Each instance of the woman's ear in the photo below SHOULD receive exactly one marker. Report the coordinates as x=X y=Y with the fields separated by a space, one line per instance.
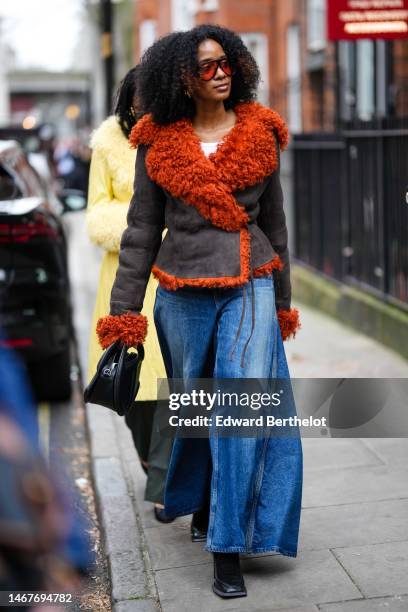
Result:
x=188 y=87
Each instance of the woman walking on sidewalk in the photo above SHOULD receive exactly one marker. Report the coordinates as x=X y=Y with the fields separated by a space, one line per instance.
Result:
x=207 y=168
x=110 y=191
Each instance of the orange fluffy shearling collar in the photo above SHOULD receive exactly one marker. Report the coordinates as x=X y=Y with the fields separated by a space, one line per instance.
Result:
x=245 y=157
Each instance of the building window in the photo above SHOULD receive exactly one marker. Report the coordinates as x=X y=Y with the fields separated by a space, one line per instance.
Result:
x=347 y=85
x=365 y=80
x=382 y=84
x=209 y=6
x=147 y=34
x=257 y=44
x=293 y=72
x=316 y=25
x=182 y=14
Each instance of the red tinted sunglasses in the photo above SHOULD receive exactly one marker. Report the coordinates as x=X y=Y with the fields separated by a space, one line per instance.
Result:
x=207 y=71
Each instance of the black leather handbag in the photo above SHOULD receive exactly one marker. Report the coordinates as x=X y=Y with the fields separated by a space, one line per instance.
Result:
x=116 y=381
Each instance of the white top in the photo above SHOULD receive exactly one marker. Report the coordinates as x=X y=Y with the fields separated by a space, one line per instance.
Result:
x=208 y=147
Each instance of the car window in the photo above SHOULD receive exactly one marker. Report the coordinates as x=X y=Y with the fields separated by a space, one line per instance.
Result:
x=9 y=187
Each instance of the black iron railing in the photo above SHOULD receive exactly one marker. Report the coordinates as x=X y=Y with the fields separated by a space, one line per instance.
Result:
x=350 y=205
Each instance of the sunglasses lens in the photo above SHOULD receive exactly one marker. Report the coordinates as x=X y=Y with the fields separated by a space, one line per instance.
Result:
x=208 y=71
x=226 y=68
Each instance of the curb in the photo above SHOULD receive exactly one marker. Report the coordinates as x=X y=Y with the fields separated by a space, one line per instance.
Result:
x=132 y=584
x=352 y=307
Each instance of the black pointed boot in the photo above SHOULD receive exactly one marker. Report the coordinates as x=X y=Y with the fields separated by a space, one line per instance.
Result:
x=228 y=580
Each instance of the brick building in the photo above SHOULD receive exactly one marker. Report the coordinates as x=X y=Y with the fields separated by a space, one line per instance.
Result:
x=344 y=176
x=312 y=82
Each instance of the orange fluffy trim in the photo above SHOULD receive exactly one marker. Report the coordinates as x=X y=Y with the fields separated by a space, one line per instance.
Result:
x=130 y=328
x=170 y=282
x=245 y=157
x=289 y=322
x=267 y=268
x=274 y=121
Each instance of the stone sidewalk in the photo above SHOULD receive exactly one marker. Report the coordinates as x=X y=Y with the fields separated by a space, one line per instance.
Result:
x=353 y=547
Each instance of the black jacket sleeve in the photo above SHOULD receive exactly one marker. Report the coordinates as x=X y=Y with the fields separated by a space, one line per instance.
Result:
x=140 y=241
x=272 y=221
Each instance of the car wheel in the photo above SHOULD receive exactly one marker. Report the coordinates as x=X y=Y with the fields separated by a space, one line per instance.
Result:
x=51 y=378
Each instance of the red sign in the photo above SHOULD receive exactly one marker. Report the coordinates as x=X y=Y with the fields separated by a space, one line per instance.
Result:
x=354 y=19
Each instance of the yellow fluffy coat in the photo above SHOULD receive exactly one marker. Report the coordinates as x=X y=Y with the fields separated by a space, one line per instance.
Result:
x=110 y=191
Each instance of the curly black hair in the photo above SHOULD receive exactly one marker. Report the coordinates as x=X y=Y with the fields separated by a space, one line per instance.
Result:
x=124 y=100
x=167 y=67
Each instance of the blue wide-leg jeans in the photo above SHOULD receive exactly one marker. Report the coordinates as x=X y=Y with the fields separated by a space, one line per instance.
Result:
x=255 y=483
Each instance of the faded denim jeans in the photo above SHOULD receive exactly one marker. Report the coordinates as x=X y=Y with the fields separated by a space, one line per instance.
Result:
x=256 y=483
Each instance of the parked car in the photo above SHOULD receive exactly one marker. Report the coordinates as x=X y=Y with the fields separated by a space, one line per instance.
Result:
x=35 y=307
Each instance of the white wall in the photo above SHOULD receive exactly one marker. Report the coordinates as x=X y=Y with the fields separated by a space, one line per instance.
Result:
x=4 y=89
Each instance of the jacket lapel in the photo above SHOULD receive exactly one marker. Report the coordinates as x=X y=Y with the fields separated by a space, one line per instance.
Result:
x=245 y=157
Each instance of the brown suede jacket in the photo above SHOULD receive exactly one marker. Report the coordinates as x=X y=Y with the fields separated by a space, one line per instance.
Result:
x=224 y=215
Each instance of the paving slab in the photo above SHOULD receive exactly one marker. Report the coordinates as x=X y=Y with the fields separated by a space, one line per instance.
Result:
x=128 y=451
x=170 y=546
x=361 y=484
x=325 y=347
x=127 y=577
x=391 y=451
x=122 y=535
x=120 y=526
x=383 y=604
x=320 y=528
x=379 y=569
x=145 y=509
x=353 y=524
x=137 y=477
x=103 y=442
x=274 y=582
x=109 y=477
x=335 y=453
x=137 y=605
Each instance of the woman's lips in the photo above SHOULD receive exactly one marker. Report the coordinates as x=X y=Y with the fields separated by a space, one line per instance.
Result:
x=223 y=87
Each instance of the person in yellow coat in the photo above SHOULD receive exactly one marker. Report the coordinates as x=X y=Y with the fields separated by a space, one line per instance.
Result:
x=110 y=191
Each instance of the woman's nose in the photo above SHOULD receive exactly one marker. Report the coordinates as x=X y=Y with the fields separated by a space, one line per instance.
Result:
x=220 y=73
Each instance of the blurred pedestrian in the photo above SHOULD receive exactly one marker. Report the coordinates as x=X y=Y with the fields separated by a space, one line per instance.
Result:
x=207 y=168
x=42 y=545
x=73 y=160
x=110 y=190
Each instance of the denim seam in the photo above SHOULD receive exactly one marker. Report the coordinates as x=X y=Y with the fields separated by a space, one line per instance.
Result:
x=257 y=488
x=275 y=326
x=214 y=489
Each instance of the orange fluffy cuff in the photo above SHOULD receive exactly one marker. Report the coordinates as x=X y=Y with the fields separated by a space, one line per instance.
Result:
x=130 y=328
x=289 y=322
